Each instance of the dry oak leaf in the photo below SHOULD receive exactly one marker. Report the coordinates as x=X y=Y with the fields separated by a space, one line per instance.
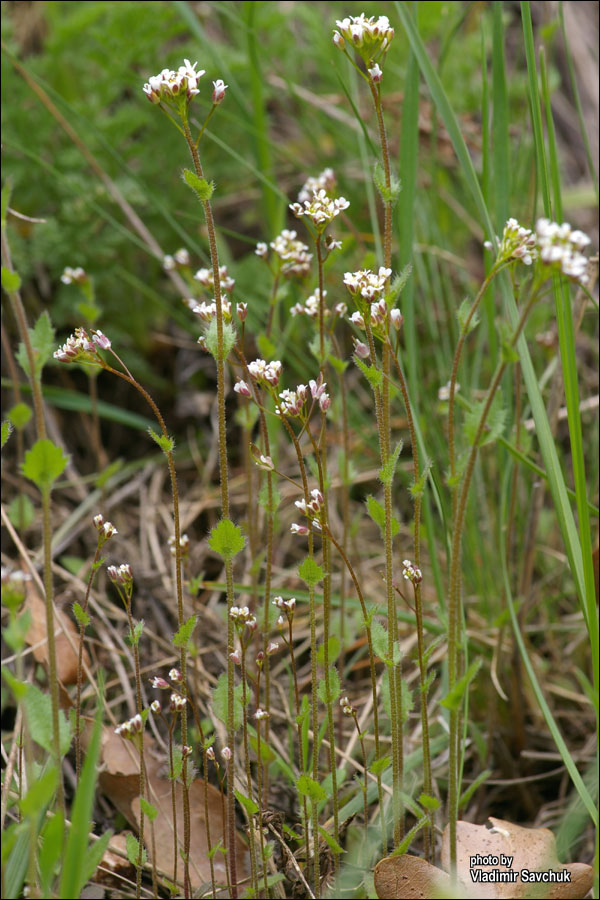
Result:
x=119 y=779
x=522 y=855
x=66 y=637
x=411 y=878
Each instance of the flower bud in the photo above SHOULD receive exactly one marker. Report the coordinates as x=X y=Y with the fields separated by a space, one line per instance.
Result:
x=219 y=91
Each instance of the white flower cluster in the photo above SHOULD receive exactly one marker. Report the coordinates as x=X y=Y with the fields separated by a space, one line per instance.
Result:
x=370 y=285
x=207 y=311
x=292 y=402
x=181 y=257
x=347 y=707
x=77 y=347
x=206 y=278
x=292 y=252
x=561 y=247
x=370 y=35
x=314 y=506
x=122 y=574
x=326 y=181
x=184 y=544
x=321 y=209
x=77 y=275
x=517 y=242
x=242 y=616
x=261 y=714
x=310 y=308
x=130 y=728
x=106 y=529
x=287 y=606
x=264 y=371
x=411 y=572
x=169 y=85
x=176 y=702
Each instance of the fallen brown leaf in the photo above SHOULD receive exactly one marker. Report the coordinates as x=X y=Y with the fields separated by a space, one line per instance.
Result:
x=410 y=877
x=530 y=850
x=119 y=781
x=37 y=637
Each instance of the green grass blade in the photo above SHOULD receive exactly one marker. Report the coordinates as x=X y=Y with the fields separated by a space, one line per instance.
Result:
x=564 y=317
x=75 y=871
x=500 y=139
x=575 y=90
x=544 y=434
x=409 y=156
x=546 y=712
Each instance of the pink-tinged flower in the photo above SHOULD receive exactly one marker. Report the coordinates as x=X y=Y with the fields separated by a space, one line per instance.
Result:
x=299 y=529
x=272 y=647
x=361 y=349
x=397 y=318
x=161 y=683
x=324 y=402
x=155 y=707
x=242 y=311
x=219 y=91
x=265 y=462
x=176 y=702
x=317 y=387
x=321 y=209
x=175 y=676
x=226 y=753
x=240 y=387
x=186 y=751
x=78 y=348
x=411 y=572
x=236 y=657
x=375 y=73
x=357 y=319
x=122 y=574
x=369 y=36
x=101 y=340
x=210 y=754
x=169 y=86
x=182 y=257
x=77 y=275
x=370 y=285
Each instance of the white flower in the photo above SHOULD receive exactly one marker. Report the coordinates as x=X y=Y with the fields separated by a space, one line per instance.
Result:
x=368 y=35
x=326 y=181
x=219 y=91
x=375 y=73
x=321 y=209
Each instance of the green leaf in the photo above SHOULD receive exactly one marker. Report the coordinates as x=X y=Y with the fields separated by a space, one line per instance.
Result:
x=333 y=650
x=398 y=284
x=495 y=422
x=50 y=851
x=20 y=415
x=226 y=539
x=202 y=188
x=212 y=342
x=44 y=463
x=505 y=332
x=418 y=487
x=39 y=718
x=378 y=766
x=388 y=194
x=266 y=346
x=11 y=281
x=407 y=698
x=19 y=688
x=78 y=853
x=247 y=802
x=330 y=841
x=454 y=698
x=134 y=639
x=21 y=512
x=81 y=616
x=310 y=572
x=7 y=430
x=183 y=634
x=373 y=375
x=263 y=498
x=219 y=701
x=462 y=314
x=379 y=636
x=40 y=793
x=148 y=809
x=386 y=474
x=310 y=788
x=428 y=802
x=267 y=754
x=377 y=513
x=333 y=680
x=340 y=365
x=166 y=444
x=133 y=850
x=43 y=342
